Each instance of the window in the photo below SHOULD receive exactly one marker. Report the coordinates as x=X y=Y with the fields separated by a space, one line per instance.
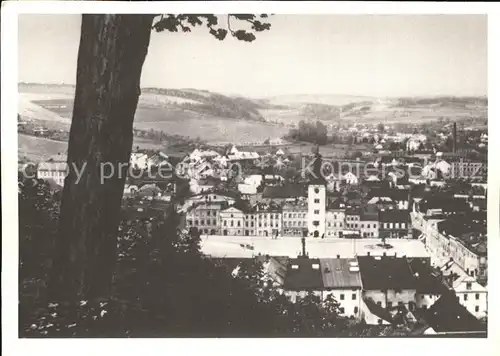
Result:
x=239 y=223
x=355 y=310
x=232 y=223
x=379 y=304
x=214 y=222
x=202 y=222
x=353 y=296
x=342 y=297
x=469 y=285
x=316 y=212
x=196 y=222
x=316 y=201
x=476 y=308
x=342 y=310
x=316 y=223
x=225 y=223
x=477 y=296
x=465 y=296
x=380 y=321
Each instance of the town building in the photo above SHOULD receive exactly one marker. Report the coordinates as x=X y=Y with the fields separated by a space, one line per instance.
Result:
x=204 y=217
x=302 y=278
x=232 y=221
x=316 y=210
x=342 y=280
x=387 y=283
x=295 y=219
x=55 y=168
x=394 y=224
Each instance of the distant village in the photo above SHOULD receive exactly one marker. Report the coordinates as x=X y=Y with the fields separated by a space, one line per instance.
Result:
x=396 y=233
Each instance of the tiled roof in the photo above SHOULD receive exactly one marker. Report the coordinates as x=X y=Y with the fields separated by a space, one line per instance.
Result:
x=302 y=276
x=285 y=191
x=386 y=272
x=448 y=315
x=394 y=215
x=340 y=273
x=428 y=282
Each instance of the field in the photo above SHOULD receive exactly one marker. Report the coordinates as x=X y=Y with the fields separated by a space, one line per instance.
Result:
x=157 y=116
x=40 y=149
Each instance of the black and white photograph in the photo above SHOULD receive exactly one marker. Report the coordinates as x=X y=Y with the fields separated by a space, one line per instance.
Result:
x=253 y=175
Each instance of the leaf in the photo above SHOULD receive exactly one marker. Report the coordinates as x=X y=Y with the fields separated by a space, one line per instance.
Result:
x=244 y=17
x=243 y=35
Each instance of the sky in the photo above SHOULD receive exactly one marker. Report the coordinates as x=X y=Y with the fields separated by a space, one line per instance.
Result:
x=384 y=55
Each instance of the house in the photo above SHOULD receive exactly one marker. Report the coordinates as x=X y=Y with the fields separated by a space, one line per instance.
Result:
x=295 y=218
x=204 y=217
x=447 y=317
x=211 y=197
x=465 y=242
x=342 y=280
x=335 y=218
x=472 y=295
x=350 y=178
x=430 y=286
x=55 y=168
x=303 y=277
x=394 y=223
x=368 y=222
x=232 y=221
x=268 y=220
x=387 y=282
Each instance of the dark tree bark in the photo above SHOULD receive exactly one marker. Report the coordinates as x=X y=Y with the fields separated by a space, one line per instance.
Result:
x=110 y=59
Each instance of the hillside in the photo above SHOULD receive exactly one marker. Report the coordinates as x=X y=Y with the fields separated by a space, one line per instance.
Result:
x=200 y=102
x=188 y=112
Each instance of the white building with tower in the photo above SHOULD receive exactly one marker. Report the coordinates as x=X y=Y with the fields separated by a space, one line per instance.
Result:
x=316 y=210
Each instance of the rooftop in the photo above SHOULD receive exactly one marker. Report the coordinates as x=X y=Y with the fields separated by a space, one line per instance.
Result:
x=393 y=215
x=285 y=192
x=448 y=315
x=340 y=273
x=386 y=272
x=303 y=274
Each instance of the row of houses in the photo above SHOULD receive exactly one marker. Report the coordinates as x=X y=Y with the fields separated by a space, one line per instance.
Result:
x=375 y=289
x=310 y=215
x=453 y=228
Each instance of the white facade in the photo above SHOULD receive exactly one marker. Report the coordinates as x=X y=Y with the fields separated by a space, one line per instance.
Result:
x=232 y=222
x=473 y=296
x=350 y=178
x=335 y=222
x=316 y=210
x=56 y=171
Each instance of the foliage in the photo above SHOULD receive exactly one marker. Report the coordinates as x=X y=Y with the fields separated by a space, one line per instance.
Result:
x=185 y=22
x=308 y=132
x=162 y=286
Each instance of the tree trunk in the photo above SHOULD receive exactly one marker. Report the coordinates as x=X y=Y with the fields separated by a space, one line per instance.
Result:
x=110 y=59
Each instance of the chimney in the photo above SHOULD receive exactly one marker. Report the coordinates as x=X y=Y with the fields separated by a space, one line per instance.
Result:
x=368 y=253
x=303 y=247
x=454 y=137
x=338 y=256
